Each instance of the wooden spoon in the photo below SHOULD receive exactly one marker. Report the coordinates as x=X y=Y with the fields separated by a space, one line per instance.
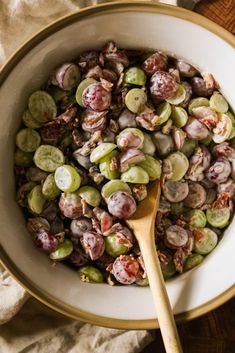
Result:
x=143 y=226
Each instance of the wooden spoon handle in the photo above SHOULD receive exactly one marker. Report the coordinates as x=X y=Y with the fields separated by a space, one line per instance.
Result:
x=165 y=316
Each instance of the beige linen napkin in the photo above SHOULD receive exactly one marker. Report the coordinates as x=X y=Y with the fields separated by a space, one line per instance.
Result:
x=36 y=328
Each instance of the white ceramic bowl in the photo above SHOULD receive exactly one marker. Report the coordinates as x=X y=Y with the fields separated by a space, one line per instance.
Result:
x=132 y=25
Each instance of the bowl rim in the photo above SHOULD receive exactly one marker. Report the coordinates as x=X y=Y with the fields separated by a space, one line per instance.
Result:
x=62 y=22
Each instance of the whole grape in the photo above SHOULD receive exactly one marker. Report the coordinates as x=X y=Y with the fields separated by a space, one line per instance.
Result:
x=45 y=241
x=125 y=269
x=199 y=87
x=93 y=244
x=70 y=205
x=155 y=62
x=121 y=204
x=162 y=85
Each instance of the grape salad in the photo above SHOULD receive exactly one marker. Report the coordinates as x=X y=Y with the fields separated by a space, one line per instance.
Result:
x=96 y=134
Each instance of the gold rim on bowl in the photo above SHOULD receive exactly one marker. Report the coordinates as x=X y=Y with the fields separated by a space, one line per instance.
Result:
x=35 y=291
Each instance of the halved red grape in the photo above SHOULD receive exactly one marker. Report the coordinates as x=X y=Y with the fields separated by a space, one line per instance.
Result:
x=175 y=191
x=219 y=171
x=93 y=121
x=68 y=76
x=196 y=130
x=185 y=68
x=189 y=92
x=176 y=237
x=196 y=196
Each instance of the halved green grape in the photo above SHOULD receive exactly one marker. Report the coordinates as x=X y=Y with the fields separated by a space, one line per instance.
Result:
x=135 y=76
x=167 y=127
x=48 y=158
x=197 y=102
x=63 y=250
x=218 y=218
x=101 y=151
x=179 y=163
x=90 y=195
x=135 y=175
x=49 y=188
x=178 y=97
x=211 y=195
x=223 y=129
x=112 y=186
x=58 y=93
x=192 y=261
x=206 y=242
x=135 y=99
x=196 y=218
x=67 y=178
x=36 y=199
x=23 y=159
x=104 y=166
x=142 y=282
x=189 y=147
x=152 y=166
x=42 y=106
x=179 y=116
x=148 y=145
x=90 y=274
x=29 y=120
x=130 y=138
x=177 y=208
x=28 y=140
x=163 y=112
x=168 y=270
x=81 y=88
x=113 y=247
x=232 y=117
x=218 y=103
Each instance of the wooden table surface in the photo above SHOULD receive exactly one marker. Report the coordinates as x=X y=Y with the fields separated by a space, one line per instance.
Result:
x=219 y=11
x=214 y=332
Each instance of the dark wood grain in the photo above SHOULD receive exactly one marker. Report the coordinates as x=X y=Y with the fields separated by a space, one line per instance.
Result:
x=219 y=11
x=214 y=332
x=211 y=333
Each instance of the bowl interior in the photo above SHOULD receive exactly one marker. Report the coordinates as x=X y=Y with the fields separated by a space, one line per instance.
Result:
x=133 y=27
